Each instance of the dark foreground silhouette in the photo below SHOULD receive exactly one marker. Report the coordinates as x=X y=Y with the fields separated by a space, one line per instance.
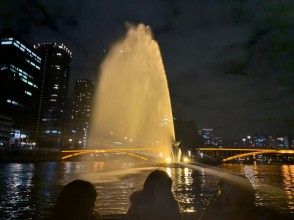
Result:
x=76 y=201
x=155 y=201
x=236 y=200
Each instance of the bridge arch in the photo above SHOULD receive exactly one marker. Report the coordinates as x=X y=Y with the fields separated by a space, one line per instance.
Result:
x=228 y=154
x=258 y=153
x=66 y=154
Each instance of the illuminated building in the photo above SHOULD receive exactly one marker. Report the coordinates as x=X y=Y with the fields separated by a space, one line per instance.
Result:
x=260 y=139
x=282 y=142
x=5 y=130
x=53 y=94
x=20 y=67
x=217 y=141
x=207 y=136
x=83 y=98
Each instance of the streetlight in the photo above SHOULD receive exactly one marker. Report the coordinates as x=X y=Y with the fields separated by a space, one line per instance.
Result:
x=244 y=140
x=249 y=137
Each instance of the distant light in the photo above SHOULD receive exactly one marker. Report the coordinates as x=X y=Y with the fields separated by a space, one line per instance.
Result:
x=70 y=140
x=248 y=137
x=186 y=160
x=189 y=153
x=243 y=139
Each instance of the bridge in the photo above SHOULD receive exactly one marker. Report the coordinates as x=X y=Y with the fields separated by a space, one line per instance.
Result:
x=212 y=153
x=133 y=152
x=230 y=154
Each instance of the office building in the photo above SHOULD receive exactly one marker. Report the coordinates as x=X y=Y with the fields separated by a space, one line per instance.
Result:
x=53 y=94
x=217 y=141
x=82 y=105
x=5 y=130
x=260 y=139
x=282 y=142
x=20 y=67
x=207 y=136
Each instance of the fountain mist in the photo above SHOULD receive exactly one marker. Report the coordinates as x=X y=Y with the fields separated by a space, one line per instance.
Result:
x=132 y=104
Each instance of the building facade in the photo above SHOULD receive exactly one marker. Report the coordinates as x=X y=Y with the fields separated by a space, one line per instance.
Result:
x=20 y=68
x=207 y=136
x=54 y=83
x=82 y=107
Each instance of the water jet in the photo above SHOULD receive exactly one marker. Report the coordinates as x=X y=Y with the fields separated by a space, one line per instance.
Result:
x=132 y=104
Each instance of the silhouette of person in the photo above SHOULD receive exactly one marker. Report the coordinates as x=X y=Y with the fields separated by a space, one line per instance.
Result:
x=76 y=201
x=155 y=200
x=236 y=200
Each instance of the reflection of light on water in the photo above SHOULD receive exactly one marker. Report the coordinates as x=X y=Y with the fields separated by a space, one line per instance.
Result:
x=288 y=179
x=67 y=167
x=169 y=172
x=192 y=209
x=99 y=165
x=187 y=177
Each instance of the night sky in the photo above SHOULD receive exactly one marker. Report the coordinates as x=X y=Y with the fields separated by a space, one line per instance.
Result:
x=230 y=64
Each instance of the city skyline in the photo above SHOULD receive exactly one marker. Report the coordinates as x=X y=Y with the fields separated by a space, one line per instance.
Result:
x=211 y=59
x=147 y=109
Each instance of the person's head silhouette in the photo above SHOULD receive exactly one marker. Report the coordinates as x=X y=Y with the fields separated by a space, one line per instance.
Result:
x=76 y=201
x=158 y=181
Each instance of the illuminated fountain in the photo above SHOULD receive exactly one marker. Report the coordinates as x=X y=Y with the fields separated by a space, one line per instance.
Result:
x=132 y=104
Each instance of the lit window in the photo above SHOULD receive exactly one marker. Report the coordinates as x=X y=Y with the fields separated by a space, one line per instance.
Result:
x=58 y=54
x=28 y=93
x=6 y=42
x=33 y=64
x=3 y=67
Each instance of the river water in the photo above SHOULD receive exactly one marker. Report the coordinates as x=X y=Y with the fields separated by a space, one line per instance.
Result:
x=28 y=190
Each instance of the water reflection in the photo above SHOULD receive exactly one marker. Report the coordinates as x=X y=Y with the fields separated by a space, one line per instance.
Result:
x=29 y=190
x=288 y=180
x=192 y=189
x=273 y=185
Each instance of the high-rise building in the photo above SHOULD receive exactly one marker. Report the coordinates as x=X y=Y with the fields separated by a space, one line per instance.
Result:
x=217 y=141
x=82 y=105
x=260 y=139
x=282 y=142
x=207 y=136
x=53 y=93
x=5 y=130
x=20 y=68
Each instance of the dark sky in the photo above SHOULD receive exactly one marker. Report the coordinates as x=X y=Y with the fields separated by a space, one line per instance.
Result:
x=230 y=64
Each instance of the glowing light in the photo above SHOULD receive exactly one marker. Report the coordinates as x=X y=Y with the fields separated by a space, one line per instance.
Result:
x=168 y=160
x=189 y=153
x=186 y=160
